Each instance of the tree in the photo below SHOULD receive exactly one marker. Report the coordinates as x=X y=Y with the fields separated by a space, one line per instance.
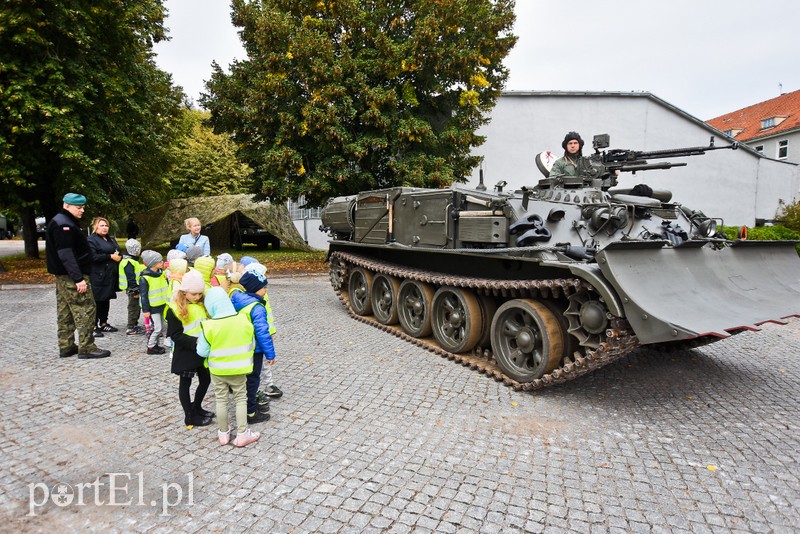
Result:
x=82 y=106
x=789 y=215
x=337 y=97
x=205 y=163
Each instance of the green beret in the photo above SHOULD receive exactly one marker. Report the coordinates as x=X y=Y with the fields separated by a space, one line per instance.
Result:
x=75 y=199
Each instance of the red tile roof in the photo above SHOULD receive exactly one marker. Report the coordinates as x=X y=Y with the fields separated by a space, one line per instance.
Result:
x=749 y=119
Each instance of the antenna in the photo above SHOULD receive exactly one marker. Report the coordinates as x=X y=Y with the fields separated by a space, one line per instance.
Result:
x=780 y=88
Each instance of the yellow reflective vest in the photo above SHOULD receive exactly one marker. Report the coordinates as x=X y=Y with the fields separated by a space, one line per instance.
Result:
x=232 y=341
x=196 y=315
x=123 y=278
x=270 y=317
x=174 y=285
x=158 y=292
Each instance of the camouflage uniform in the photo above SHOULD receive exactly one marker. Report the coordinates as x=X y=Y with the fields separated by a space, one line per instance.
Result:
x=74 y=311
x=574 y=165
x=571 y=164
x=70 y=259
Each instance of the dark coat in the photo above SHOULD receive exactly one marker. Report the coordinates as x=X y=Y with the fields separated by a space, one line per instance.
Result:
x=67 y=250
x=105 y=271
x=184 y=347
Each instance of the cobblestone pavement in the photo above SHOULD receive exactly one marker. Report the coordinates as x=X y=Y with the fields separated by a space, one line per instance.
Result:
x=374 y=434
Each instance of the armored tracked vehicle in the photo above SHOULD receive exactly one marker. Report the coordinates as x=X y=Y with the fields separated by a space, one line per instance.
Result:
x=539 y=286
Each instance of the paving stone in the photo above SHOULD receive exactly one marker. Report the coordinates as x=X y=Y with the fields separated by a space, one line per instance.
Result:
x=375 y=434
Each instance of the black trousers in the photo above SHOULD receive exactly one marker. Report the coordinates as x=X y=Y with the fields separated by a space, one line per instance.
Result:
x=102 y=311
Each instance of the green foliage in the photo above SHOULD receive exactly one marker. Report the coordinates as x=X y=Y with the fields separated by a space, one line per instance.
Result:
x=205 y=163
x=341 y=96
x=764 y=233
x=790 y=216
x=82 y=105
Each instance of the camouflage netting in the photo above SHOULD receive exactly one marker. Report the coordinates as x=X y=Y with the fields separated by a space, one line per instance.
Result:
x=165 y=223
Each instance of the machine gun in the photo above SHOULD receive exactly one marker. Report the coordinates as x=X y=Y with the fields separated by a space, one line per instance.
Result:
x=622 y=160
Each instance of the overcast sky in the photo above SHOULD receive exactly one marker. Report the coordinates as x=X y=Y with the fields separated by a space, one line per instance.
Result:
x=706 y=57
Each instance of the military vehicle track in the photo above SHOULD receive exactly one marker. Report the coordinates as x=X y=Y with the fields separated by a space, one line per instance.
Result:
x=618 y=342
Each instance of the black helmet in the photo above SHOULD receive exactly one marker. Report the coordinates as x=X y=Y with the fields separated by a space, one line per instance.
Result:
x=570 y=137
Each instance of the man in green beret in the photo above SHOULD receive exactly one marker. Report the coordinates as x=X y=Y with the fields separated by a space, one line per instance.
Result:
x=69 y=258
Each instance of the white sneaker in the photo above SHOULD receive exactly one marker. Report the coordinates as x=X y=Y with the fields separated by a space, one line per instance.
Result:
x=246 y=438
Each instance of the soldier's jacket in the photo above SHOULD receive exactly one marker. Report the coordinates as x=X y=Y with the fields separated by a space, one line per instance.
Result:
x=577 y=166
x=67 y=247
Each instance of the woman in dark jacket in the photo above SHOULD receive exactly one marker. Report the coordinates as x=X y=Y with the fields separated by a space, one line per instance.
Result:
x=105 y=272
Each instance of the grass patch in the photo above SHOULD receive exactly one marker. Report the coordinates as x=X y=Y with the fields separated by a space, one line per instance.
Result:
x=19 y=269
x=22 y=270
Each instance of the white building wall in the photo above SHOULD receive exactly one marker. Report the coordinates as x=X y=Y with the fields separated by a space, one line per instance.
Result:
x=770 y=145
x=738 y=186
x=309 y=231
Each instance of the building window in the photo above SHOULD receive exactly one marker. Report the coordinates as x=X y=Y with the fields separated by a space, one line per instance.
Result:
x=767 y=123
x=759 y=149
x=783 y=149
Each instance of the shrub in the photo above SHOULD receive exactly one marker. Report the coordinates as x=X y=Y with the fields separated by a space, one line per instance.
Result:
x=790 y=216
x=765 y=233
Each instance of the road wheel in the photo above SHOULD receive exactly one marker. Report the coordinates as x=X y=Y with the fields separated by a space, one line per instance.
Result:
x=414 y=307
x=456 y=319
x=527 y=339
x=384 y=291
x=359 y=284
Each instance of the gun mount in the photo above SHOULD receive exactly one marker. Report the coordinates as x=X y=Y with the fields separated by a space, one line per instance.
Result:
x=606 y=165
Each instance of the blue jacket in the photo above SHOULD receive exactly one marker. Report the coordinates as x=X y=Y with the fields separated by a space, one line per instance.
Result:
x=258 y=314
x=201 y=241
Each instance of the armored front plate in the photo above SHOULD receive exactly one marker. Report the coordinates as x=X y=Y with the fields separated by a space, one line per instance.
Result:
x=702 y=291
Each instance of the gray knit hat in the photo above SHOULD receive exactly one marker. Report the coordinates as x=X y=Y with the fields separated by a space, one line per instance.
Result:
x=176 y=254
x=151 y=258
x=133 y=247
x=193 y=253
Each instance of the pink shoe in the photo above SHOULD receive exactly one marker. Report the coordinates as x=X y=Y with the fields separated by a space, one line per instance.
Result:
x=224 y=437
x=246 y=438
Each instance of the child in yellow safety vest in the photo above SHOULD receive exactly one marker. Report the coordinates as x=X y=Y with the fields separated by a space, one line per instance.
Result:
x=219 y=276
x=177 y=268
x=227 y=340
x=205 y=265
x=154 y=295
x=130 y=268
x=184 y=314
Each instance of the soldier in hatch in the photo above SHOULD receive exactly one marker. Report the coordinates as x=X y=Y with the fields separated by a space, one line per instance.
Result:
x=573 y=163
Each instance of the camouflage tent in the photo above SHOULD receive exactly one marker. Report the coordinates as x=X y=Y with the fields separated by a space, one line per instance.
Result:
x=227 y=220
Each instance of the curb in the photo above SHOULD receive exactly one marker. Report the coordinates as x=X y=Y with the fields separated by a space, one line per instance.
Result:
x=5 y=287
x=11 y=287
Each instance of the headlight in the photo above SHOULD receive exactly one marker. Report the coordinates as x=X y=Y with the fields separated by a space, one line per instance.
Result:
x=708 y=228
